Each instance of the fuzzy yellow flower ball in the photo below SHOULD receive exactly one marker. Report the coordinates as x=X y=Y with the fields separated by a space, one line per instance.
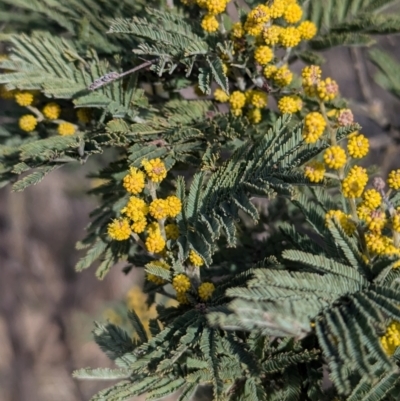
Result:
x=28 y=123
x=353 y=185
x=270 y=71
x=277 y=8
x=293 y=13
x=396 y=220
x=259 y=15
x=363 y=211
x=376 y=243
x=181 y=283
x=344 y=220
x=335 y=157
x=254 y=115
x=394 y=179
x=358 y=145
x=372 y=198
x=65 y=129
x=258 y=98
x=289 y=37
x=155 y=243
x=174 y=206
x=210 y=23
x=153 y=278
x=283 y=76
x=391 y=339
x=52 y=111
x=376 y=220
x=307 y=30
x=24 y=98
x=136 y=208
x=172 y=231
x=220 y=95
x=155 y=169
x=139 y=226
x=206 y=290
x=119 y=229
x=237 y=30
x=158 y=209
x=311 y=75
x=314 y=127
x=213 y=6
x=253 y=29
x=314 y=171
x=271 y=34
x=134 y=181
x=237 y=100
x=327 y=90
x=182 y=298
x=195 y=259
x=290 y=104
x=263 y=55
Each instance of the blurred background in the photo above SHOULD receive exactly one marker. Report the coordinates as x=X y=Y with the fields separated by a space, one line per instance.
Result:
x=47 y=309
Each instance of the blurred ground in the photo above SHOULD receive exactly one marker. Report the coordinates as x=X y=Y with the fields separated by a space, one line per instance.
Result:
x=47 y=309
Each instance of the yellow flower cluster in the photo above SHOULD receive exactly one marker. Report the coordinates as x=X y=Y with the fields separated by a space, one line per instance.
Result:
x=335 y=157
x=52 y=111
x=391 y=339
x=394 y=179
x=314 y=127
x=290 y=104
x=326 y=90
x=24 y=98
x=66 y=128
x=255 y=99
x=181 y=283
x=134 y=181
x=344 y=220
x=220 y=95
x=28 y=123
x=206 y=290
x=155 y=169
x=263 y=55
x=354 y=183
x=358 y=145
x=119 y=229
x=195 y=259
x=314 y=171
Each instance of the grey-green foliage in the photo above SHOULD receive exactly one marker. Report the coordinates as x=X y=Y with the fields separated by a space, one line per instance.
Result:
x=350 y=22
x=388 y=75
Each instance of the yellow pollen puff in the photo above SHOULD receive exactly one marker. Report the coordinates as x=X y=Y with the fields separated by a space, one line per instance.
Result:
x=394 y=179
x=375 y=243
x=66 y=129
x=293 y=13
x=181 y=283
x=259 y=15
x=376 y=220
x=153 y=278
x=314 y=171
x=327 y=90
x=363 y=211
x=119 y=229
x=335 y=157
x=311 y=76
x=307 y=30
x=263 y=55
x=52 y=111
x=206 y=290
x=257 y=98
x=237 y=30
x=353 y=185
x=391 y=339
x=344 y=220
x=237 y=100
x=174 y=206
x=283 y=76
x=210 y=23
x=24 y=98
x=270 y=71
x=271 y=34
x=155 y=243
x=254 y=115
x=158 y=209
x=253 y=29
x=153 y=228
x=28 y=123
x=139 y=226
x=277 y=8
x=220 y=95
x=290 y=104
x=134 y=181
x=213 y=6
x=155 y=169
x=314 y=127
x=172 y=231
x=136 y=209
x=195 y=259
x=289 y=37
x=358 y=145
x=372 y=198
